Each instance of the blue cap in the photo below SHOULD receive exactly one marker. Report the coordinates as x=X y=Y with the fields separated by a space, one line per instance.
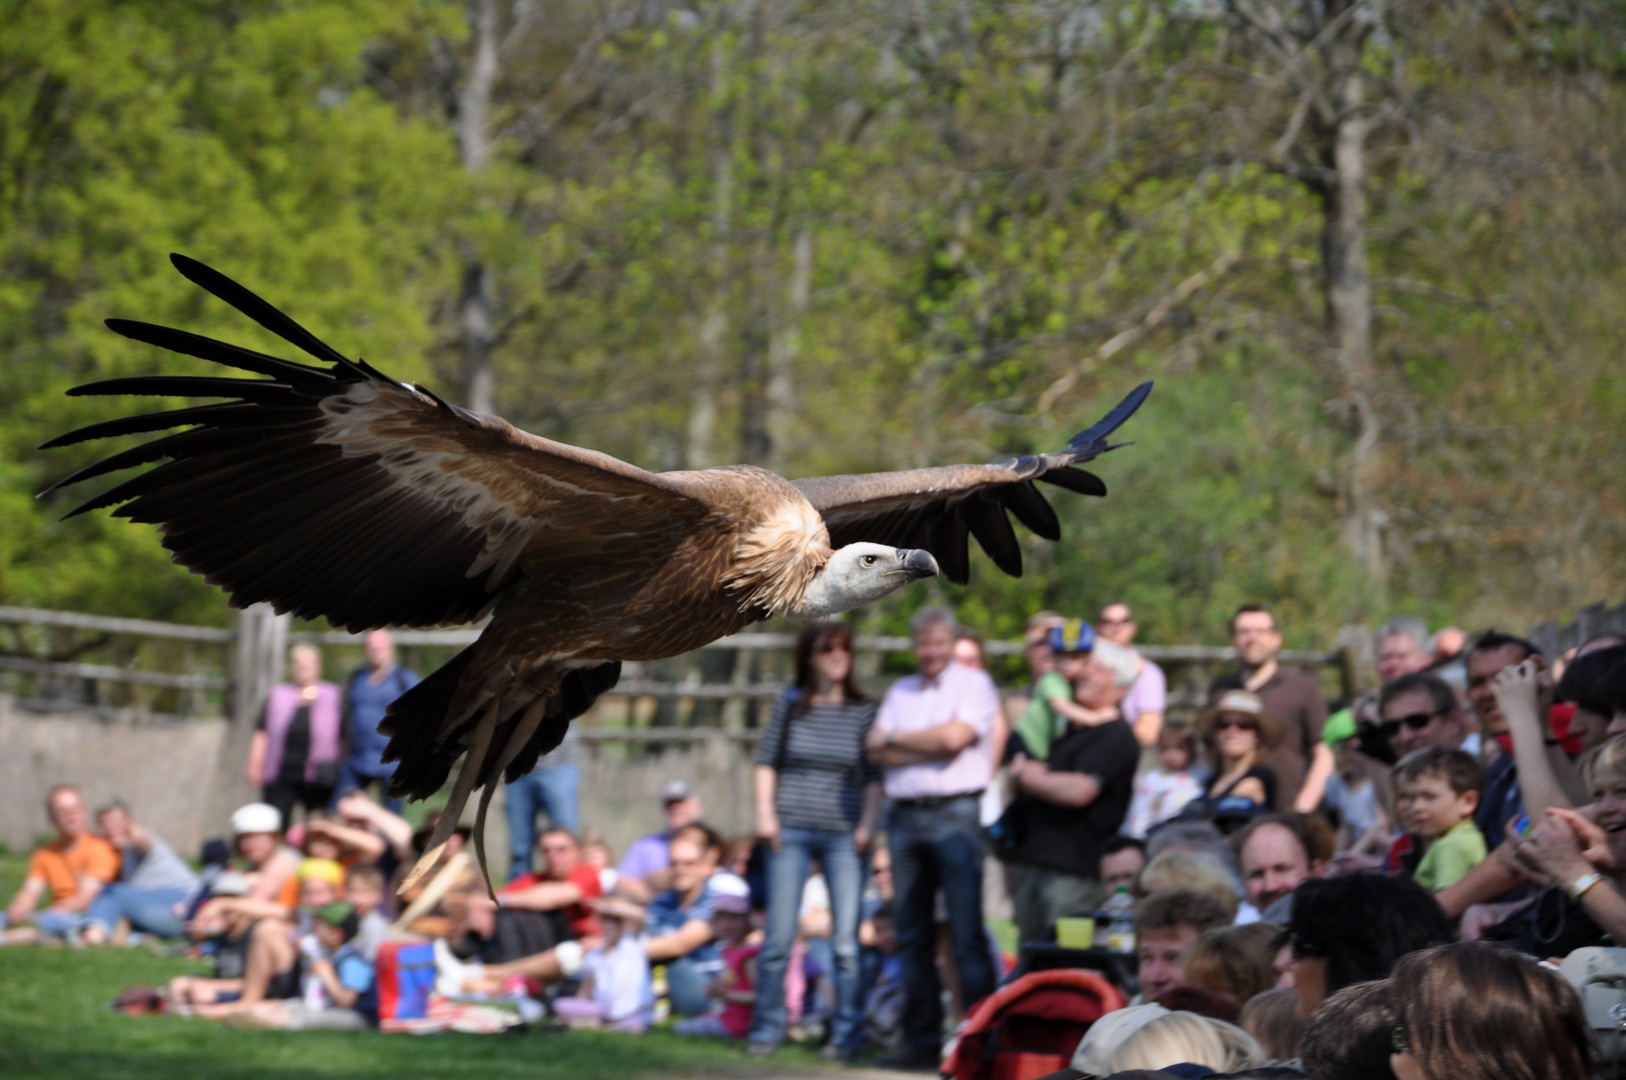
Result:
x=1074 y=635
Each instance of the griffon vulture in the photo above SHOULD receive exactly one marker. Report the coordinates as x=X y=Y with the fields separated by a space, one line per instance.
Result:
x=337 y=492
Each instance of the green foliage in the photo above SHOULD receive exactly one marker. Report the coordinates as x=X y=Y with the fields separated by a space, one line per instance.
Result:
x=986 y=196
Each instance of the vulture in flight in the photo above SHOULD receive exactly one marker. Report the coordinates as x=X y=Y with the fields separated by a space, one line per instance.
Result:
x=335 y=492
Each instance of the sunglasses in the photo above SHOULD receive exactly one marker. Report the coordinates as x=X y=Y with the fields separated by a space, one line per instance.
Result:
x=1237 y=725
x=1417 y=721
x=835 y=646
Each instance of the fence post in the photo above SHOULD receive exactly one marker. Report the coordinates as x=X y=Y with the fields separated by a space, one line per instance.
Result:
x=262 y=640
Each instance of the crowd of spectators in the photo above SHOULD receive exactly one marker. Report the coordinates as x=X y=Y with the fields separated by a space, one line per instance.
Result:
x=1382 y=890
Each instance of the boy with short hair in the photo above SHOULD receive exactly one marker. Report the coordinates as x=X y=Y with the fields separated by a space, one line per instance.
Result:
x=1438 y=790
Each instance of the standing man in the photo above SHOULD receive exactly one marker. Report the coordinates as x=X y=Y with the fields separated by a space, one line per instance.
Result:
x=1071 y=804
x=69 y=872
x=1302 y=761
x=1147 y=701
x=551 y=786
x=367 y=693
x=932 y=736
x=1278 y=854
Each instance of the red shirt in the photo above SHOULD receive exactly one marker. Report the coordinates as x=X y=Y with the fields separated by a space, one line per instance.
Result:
x=582 y=921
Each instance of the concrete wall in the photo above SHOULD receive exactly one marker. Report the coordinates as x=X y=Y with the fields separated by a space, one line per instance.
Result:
x=165 y=771
x=182 y=778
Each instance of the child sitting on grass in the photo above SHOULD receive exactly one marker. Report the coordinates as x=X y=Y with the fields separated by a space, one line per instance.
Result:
x=337 y=988
x=615 y=985
x=1436 y=793
x=734 y=989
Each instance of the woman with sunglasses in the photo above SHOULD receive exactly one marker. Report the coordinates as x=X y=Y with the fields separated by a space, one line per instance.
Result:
x=1238 y=732
x=817 y=797
x=1484 y=1011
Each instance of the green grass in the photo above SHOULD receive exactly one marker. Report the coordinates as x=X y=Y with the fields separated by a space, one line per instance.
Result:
x=55 y=1025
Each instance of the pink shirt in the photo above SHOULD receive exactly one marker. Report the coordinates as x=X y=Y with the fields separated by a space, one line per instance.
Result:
x=914 y=704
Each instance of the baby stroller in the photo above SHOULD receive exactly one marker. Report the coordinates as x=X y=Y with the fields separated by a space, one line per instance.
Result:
x=1030 y=1027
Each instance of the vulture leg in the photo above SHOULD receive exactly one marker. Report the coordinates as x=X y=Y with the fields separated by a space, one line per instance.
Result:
x=522 y=733
x=479 y=743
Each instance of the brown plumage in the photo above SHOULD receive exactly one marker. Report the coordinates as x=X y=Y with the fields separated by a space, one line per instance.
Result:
x=335 y=492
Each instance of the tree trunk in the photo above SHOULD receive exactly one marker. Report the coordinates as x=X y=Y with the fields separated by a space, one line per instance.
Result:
x=784 y=349
x=477 y=303
x=1349 y=298
x=714 y=323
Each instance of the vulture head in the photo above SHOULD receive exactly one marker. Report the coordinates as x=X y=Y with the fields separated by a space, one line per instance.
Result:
x=860 y=574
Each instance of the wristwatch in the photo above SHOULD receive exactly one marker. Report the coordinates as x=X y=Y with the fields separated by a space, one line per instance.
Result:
x=1578 y=888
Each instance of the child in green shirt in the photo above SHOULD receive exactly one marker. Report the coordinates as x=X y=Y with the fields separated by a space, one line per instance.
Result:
x=1436 y=793
x=1046 y=718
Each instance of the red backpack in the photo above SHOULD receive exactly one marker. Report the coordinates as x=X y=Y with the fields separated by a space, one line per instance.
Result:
x=1030 y=1027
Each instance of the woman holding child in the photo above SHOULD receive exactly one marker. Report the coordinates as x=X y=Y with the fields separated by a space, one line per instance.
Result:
x=817 y=797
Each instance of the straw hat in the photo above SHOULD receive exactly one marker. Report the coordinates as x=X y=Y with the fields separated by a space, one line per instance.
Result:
x=1245 y=703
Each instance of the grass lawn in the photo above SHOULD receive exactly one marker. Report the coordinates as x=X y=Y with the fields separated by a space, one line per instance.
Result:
x=55 y=1025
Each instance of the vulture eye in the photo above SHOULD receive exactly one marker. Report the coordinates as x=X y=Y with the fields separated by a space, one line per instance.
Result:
x=867 y=561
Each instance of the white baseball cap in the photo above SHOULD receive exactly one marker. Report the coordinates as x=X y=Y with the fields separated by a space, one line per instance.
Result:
x=256 y=817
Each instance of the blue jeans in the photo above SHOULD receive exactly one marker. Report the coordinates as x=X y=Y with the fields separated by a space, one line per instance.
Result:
x=938 y=847
x=787 y=874
x=59 y=923
x=686 y=980
x=149 y=910
x=551 y=789
x=354 y=779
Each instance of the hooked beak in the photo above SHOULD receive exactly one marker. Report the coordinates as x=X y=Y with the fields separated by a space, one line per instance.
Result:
x=917 y=563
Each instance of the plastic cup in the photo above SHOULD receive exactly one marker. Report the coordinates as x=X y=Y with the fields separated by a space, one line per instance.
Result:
x=1075 y=933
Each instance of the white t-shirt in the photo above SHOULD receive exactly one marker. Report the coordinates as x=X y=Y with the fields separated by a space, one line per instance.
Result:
x=621 y=984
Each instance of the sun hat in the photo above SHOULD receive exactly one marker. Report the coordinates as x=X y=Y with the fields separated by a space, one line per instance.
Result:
x=256 y=817
x=1245 y=703
x=617 y=907
x=729 y=902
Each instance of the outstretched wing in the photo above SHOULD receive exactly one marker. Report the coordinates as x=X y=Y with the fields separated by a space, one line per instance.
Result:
x=936 y=509
x=338 y=492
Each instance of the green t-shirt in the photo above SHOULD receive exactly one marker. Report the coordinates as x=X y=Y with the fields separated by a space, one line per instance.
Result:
x=1040 y=725
x=1450 y=857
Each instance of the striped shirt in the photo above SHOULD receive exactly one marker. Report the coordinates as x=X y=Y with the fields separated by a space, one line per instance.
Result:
x=819 y=756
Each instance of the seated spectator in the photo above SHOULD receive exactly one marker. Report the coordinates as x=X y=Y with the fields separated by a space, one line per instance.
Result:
x=1240 y=732
x=68 y=872
x=152 y=885
x=1183 y=1038
x=534 y=912
x=1472 y=1009
x=1167 y=926
x=1439 y=788
x=1359 y=793
x=1279 y=853
x=1122 y=858
x=643 y=870
x=1198 y=873
x=1197 y=837
x=615 y=986
x=734 y=987
x=1353 y=928
x=1419 y=710
x=364 y=891
x=680 y=935
x=271 y=867
x=1239 y=961
x=338 y=987
x=596 y=853
x=258 y=956
x=1351 y=1036
x=1163 y=792
x=1273 y=1019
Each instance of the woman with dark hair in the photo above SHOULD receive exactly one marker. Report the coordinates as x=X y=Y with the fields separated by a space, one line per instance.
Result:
x=817 y=797
x=1485 y=1011
x=1353 y=928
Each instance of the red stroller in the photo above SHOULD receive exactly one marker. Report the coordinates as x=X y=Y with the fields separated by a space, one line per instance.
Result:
x=1030 y=1027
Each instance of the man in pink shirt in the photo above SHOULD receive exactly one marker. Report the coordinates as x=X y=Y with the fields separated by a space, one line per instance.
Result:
x=933 y=736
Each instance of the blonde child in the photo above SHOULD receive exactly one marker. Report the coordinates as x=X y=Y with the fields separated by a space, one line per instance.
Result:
x=1163 y=792
x=615 y=989
x=1438 y=788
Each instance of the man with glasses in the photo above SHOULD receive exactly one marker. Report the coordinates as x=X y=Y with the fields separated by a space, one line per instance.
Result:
x=535 y=912
x=1419 y=710
x=1147 y=701
x=1301 y=761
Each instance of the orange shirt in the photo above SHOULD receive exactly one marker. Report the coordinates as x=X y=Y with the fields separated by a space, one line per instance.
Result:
x=61 y=866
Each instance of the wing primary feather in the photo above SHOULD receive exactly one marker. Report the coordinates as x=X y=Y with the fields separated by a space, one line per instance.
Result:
x=256 y=308
x=182 y=386
x=993 y=531
x=1075 y=480
x=1092 y=440
x=1032 y=509
x=158 y=421
x=187 y=343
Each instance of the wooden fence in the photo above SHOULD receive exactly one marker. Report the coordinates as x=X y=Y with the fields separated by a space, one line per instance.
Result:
x=61 y=660
x=1553 y=639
